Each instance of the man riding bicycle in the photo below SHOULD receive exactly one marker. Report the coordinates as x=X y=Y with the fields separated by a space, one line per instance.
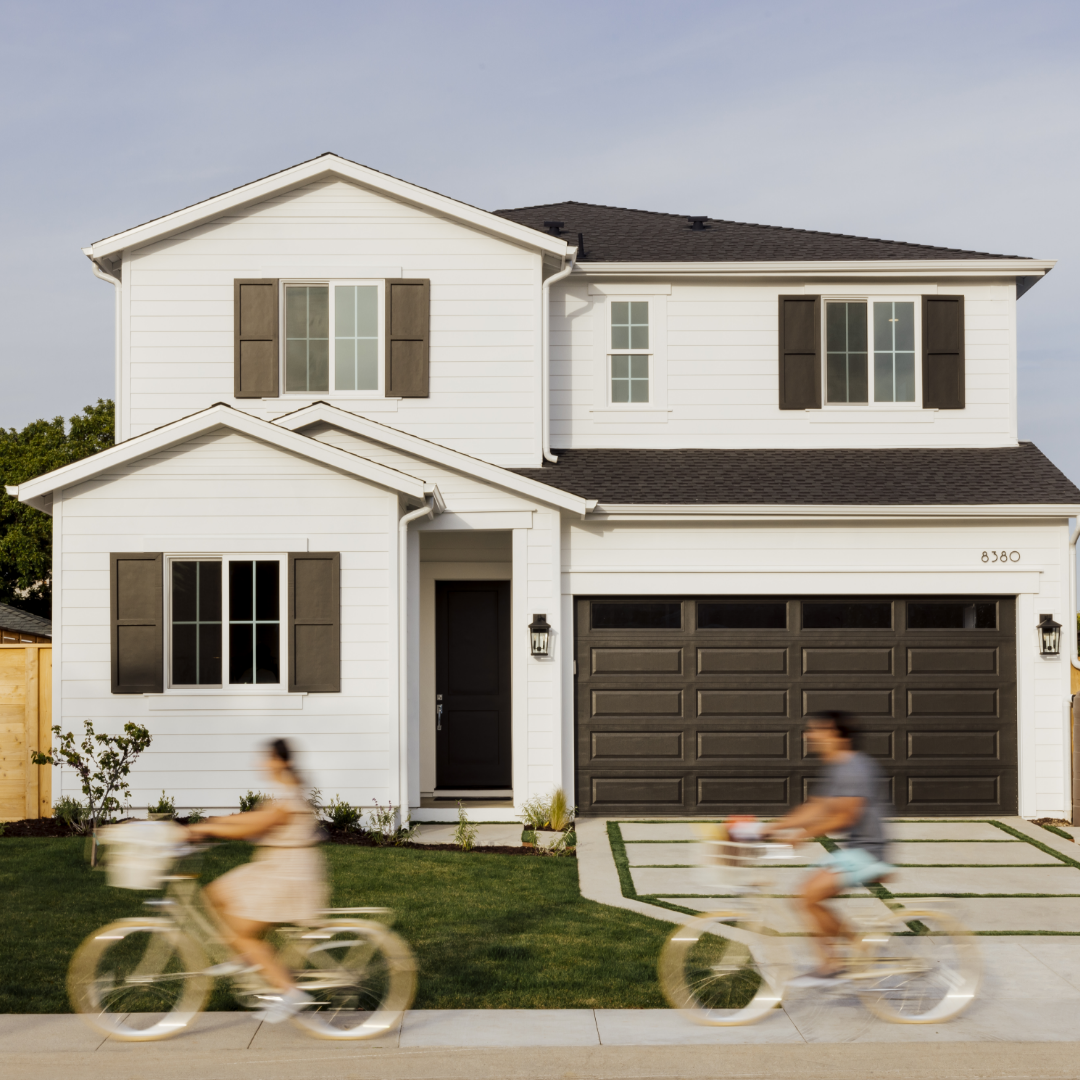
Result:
x=848 y=800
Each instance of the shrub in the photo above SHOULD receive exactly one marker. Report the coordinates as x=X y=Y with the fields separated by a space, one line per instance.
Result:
x=197 y=815
x=72 y=813
x=383 y=826
x=164 y=805
x=102 y=762
x=341 y=815
x=250 y=800
x=465 y=833
x=560 y=812
x=534 y=812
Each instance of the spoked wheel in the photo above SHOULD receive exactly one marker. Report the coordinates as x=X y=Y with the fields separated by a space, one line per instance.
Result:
x=923 y=969
x=139 y=979
x=361 y=975
x=723 y=971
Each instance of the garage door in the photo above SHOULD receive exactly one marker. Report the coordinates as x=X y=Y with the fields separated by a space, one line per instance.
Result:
x=696 y=705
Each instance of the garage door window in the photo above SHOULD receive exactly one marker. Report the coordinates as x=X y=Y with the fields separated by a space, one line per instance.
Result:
x=952 y=616
x=769 y=615
x=637 y=616
x=847 y=616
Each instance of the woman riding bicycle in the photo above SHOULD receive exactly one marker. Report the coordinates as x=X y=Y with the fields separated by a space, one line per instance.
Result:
x=285 y=882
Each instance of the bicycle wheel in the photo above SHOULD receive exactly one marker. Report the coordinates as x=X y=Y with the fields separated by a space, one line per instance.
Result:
x=139 y=979
x=722 y=970
x=361 y=975
x=923 y=969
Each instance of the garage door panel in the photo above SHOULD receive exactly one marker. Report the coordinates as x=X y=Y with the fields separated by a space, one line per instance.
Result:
x=637 y=662
x=847 y=661
x=679 y=717
x=771 y=793
x=934 y=745
x=640 y=745
x=637 y=703
x=860 y=702
x=742 y=661
x=973 y=702
x=930 y=661
x=742 y=703
x=721 y=746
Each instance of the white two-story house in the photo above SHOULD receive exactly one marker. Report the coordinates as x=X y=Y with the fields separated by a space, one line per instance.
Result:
x=473 y=504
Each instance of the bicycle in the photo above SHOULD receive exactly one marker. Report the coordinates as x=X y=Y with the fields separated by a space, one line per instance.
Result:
x=729 y=968
x=148 y=978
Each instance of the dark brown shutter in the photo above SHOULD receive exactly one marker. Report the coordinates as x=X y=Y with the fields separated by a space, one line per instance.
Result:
x=943 y=352
x=315 y=622
x=800 y=352
x=255 y=338
x=408 y=319
x=135 y=591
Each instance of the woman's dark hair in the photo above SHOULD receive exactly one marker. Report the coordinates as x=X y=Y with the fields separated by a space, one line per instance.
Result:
x=841 y=722
x=280 y=749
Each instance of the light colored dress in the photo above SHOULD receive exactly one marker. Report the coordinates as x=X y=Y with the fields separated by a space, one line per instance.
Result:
x=286 y=879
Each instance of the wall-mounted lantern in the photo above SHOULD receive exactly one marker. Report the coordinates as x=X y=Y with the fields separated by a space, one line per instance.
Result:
x=539 y=635
x=1049 y=636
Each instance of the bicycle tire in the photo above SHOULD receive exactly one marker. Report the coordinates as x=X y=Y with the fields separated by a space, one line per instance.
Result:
x=361 y=974
x=723 y=980
x=135 y=967
x=935 y=969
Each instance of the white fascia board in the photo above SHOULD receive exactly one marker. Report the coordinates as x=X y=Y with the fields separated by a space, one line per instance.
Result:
x=846 y=268
x=219 y=416
x=307 y=172
x=321 y=412
x=693 y=512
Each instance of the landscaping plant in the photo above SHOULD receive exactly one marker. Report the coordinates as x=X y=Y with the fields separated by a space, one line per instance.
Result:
x=534 y=812
x=250 y=800
x=196 y=816
x=383 y=826
x=103 y=763
x=341 y=815
x=72 y=813
x=465 y=833
x=164 y=805
x=560 y=812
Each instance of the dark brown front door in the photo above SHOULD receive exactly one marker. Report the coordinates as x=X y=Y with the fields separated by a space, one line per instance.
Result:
x=696 y=705
x=472 y=683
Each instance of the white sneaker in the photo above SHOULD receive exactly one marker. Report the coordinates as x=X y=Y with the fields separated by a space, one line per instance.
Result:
x=280 y=1007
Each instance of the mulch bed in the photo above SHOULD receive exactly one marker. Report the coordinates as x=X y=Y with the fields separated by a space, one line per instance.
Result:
x=46 y=827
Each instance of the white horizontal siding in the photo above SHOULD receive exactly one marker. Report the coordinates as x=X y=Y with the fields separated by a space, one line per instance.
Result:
x=178 y=348
x=722 y=373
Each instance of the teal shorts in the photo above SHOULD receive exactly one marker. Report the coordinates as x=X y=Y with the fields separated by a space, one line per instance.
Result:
x=854 y=866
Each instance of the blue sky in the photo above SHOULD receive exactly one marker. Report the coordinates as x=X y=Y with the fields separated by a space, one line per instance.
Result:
x=951 y=123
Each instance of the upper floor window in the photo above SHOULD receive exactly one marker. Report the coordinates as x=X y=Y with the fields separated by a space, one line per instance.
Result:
x=332 y=338
x=629 y=378
x=849 y=326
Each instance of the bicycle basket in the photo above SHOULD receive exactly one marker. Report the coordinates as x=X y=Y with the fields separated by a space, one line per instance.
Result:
x=139 y=854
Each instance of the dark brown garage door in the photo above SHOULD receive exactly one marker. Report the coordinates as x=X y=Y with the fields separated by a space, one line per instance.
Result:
x=696 y=705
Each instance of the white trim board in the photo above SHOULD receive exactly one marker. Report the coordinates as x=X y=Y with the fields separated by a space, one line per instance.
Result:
x=226 y=545
x=862 y=268
x=478 y=520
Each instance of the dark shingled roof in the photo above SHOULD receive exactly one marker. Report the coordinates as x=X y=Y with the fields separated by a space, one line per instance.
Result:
x=897 y=477
x=615 y=234
x=23 y=622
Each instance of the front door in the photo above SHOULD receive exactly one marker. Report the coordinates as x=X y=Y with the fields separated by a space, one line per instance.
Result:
x=472 y=684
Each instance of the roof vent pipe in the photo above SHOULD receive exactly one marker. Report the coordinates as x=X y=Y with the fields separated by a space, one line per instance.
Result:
x=554 y=227
x=697 y=224
x=545 y=357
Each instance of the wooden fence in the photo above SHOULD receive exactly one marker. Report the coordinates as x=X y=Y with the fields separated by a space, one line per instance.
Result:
x=25 y=725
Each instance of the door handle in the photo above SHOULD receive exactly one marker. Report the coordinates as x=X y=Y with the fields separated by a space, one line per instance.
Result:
x=438 y=718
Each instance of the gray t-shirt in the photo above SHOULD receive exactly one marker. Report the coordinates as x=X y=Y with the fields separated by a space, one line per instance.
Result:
x=858 y=776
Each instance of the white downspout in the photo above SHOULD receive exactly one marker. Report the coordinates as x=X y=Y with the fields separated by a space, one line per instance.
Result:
x=115 y=281
x=545 y=352
x=403 y=649
x=1072 y=596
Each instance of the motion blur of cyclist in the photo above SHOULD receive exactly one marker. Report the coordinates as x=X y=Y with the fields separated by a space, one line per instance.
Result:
x=284 y=883
x=849 y=801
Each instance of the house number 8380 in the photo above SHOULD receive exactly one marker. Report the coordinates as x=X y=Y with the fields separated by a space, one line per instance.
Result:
x=1001 y=556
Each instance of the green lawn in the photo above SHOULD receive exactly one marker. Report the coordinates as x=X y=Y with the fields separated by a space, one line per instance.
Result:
x=489 y=931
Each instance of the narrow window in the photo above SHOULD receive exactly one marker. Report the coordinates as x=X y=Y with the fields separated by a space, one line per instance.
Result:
x=845 y=350
x=770 y=615
x=634 y=615
x=254 y=622
x=307 y=338
x=196 y=623
x=946 y=615
x=629 y=358
x=356 y=337
x=894 y=351
x=853 y=615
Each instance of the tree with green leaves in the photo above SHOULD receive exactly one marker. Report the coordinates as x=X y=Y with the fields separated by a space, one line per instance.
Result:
x=26 y=533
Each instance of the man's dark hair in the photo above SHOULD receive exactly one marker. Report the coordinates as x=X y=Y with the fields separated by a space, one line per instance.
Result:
x=841 y=722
